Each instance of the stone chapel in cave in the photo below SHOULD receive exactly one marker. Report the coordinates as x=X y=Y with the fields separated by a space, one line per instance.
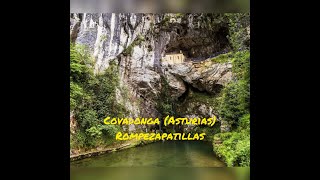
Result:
x=173 y=58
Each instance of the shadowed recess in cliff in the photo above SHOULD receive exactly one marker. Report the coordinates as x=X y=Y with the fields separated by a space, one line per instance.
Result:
x=196 y=35
x=191 y=89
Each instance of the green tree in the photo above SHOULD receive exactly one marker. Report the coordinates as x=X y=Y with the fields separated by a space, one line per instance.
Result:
x=238 y=30
x=235 y=108
x=92 y=98
x=235 y=97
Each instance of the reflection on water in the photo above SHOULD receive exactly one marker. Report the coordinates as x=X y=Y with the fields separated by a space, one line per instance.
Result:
x=162 y=160
x=159 y=154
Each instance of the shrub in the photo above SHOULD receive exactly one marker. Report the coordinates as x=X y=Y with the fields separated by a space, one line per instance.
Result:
x=78 y=140
x=235 y=149
x=87 y=118
x=235 y=97
x=92 y=98
x=234 y=103
x=244 y=122
x=238 y=35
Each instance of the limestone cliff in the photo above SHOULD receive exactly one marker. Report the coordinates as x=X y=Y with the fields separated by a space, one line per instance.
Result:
x=137 y=42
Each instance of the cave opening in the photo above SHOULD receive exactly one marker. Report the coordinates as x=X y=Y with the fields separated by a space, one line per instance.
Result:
x=217 y=89
x=200 y=46
x=221 y=38
x=185 y=94
x=178 y=31
x=190 y=89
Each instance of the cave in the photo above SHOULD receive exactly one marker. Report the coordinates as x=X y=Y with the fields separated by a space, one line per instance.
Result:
x=190 y=88
x=221 y=37
x=199 y=44
x=185 y=94
x=217 y=88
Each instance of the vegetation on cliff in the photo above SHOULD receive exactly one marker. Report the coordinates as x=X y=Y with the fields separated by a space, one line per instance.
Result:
x=165 y=103
x=234 y=103
x=92 y=98
x=239 y=30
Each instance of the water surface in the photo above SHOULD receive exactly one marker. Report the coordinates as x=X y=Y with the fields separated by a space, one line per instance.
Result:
x=159 y=154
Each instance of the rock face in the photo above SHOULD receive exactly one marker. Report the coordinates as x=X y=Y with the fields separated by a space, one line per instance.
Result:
x=137 y=42
x=225 y=126
x=73 y=123
x=205 y=76
x=176 y=85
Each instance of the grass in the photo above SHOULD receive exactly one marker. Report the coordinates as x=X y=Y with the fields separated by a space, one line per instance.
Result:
x=222 y=58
